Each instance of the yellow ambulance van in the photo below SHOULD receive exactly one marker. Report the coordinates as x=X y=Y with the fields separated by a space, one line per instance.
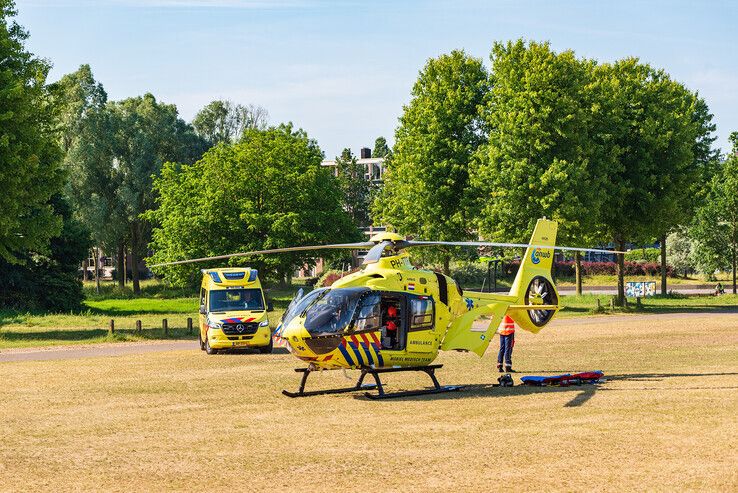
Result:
x=233 y=311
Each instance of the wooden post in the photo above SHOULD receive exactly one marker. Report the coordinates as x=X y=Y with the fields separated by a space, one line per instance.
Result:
x=112 y=327
x=599 y=306
x=165 y=326
x=138 y=326
x=612 y=303
x=638 y=302
x=189 y=325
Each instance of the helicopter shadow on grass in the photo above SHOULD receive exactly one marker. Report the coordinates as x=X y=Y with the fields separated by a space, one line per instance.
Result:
x=474 y=391
x=657 y=377
x=584 y=392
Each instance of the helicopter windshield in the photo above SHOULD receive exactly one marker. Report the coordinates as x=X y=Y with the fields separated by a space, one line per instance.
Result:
x=332 y=312
x=299 y=303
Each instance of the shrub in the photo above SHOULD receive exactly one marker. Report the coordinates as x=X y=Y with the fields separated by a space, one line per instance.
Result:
x=330 y=276
x=469 y=273
x=649 y=255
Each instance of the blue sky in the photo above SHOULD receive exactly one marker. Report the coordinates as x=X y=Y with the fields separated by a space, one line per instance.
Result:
x=343 y=70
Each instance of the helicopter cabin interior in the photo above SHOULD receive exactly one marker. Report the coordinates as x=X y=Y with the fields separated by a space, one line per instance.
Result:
x=397 y=315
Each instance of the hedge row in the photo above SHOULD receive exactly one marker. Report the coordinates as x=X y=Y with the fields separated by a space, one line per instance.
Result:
x=567 y=269
x=610 y=268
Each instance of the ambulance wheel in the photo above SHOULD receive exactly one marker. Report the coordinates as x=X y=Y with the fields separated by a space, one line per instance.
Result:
x=199 y=339
x=209 y=349
x=267 y=349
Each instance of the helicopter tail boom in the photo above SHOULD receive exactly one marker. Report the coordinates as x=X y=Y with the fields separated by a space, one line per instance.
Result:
x=533 y=288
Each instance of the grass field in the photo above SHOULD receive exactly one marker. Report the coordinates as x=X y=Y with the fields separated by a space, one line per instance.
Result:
x=19 y=329
x=666 y=419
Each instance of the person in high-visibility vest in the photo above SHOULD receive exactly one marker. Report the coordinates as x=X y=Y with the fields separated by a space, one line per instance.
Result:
x=507 y=341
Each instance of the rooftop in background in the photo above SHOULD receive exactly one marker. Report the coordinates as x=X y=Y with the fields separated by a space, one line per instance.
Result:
x=374 y=167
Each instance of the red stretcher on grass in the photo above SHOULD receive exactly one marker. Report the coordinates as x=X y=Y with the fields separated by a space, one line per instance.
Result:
x=564 y=380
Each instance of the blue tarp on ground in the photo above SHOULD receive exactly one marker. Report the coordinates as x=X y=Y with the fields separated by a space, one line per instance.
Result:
x=565 y=379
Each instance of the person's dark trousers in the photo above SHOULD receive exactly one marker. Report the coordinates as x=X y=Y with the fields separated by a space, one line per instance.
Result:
x=506 y=347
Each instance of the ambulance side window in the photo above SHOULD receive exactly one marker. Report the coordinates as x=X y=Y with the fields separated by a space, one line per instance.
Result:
x=421 y=312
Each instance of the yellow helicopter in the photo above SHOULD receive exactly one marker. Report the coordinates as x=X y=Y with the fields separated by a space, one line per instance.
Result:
x=392 y=317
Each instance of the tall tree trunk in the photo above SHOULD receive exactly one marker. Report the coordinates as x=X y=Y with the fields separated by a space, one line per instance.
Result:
x=734 y=249
x=662 y=240
x=621 y=273
x=134 y=259
x=96 y=255
x=121 y=265
x=447 y=264
x=85 y=266
x=578 y=271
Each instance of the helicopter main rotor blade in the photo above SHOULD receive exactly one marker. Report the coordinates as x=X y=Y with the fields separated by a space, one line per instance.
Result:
x=346 y=246
x=505 y=245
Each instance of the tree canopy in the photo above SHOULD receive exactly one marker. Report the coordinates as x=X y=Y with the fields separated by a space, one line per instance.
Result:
x=30 y=157
x=715 y=228
x=356 y=188
x=225 y=121
x=149 y=133
x=381 y=149
x=541 y=147
x=267 y=191
x=425 y=186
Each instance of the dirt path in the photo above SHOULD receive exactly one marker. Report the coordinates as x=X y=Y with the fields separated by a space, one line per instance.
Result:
x=125 y=348
x=93 y=350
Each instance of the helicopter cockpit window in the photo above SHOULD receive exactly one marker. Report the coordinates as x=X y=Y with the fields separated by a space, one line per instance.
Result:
x=332 y=312
x=299 y=303
x=368 y=314
x=421 y=312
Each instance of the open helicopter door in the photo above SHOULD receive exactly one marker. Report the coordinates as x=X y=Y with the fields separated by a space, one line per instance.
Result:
x=466 y=335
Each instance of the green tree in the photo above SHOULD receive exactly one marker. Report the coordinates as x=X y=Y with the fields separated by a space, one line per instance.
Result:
x=87 y=132
x=686 y=162
x=381 y=149
x=425 y=187
x=225 y=121
x=648 y=127
x=541 y=148
x=356 y=188
x=30 y=158
x=148 y=134
x=76 y=95
x=267 y=191
x=716 y=223
x=48 y=280
x=679 y=251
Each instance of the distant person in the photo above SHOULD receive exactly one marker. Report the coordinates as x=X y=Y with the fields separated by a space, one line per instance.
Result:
x=390 y=336
x=719 y=289
x=507 y=341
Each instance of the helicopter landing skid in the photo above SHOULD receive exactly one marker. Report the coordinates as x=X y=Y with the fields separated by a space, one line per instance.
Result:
x=381 y=394
x=360 y=385
x=429 y=370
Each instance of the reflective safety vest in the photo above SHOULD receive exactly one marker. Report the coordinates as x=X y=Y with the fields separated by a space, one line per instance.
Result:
x=507 y=327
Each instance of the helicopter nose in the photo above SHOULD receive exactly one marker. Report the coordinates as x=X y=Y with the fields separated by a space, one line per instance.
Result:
x=294 y=334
